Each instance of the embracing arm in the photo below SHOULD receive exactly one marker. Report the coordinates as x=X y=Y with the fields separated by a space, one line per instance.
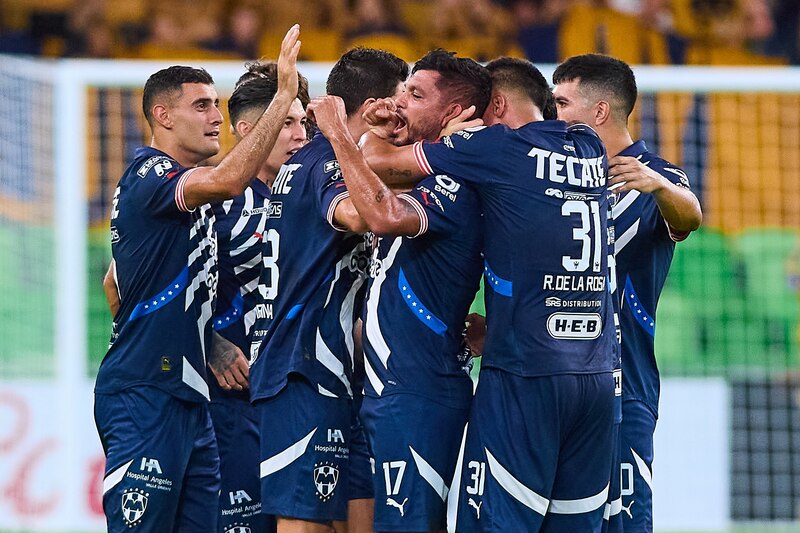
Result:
x=233 y=174
x=383 y=212
x=678 y=205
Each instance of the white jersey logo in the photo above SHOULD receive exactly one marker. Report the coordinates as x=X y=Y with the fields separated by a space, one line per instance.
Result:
x=392 y=503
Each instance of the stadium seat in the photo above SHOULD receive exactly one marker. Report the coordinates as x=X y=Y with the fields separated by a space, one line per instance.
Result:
x=587 y=29
x=318 y=45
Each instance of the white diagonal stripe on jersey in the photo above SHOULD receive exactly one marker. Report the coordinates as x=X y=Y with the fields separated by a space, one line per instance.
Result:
x=252 y=262
x=201 y=277
x=626 y=237
x=325 y=392
x=373 y=377
x=115 y=477
x=430 y=475
x=241 y=223
x=336 y=276
x=226 y=205
x=515 y=488
x=346 y=316
x=192 y=378
x=612 y=509
x=329 y=361
x=373 y=328
x=247 y=246
x=647 y=476
x=624 y=203
x=250 y=286
x=206 y=311
x=286 y=457
x=580 y=506
x=452 y=501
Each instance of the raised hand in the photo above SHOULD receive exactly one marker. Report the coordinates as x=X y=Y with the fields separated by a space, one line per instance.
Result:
x=287 y=62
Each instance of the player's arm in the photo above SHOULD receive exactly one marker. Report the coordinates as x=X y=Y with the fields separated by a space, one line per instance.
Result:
x=111 y=289
x=395 y=165
x=678 y=205
x=233 y=174
x=347 y=216
x=383 y=212
x=228 y=364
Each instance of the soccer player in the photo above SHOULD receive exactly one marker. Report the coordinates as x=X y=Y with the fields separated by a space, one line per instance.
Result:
x=151 y=411
x=240 y=224
x=302 y=344
x=424 y=274
x=538 y=444
x=655 y=208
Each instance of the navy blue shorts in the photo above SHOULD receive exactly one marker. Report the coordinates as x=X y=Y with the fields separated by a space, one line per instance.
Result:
x=636 y=454
x=162 y=466
x=537 y=455
x=236 y=426
x=360 y=463
x=415 y=443
x=305 y=453
x=614 y=504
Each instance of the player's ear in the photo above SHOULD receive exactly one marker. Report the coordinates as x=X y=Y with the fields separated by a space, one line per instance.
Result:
x=161 y=116
x=602 y=113
x=241 y=128
x=452 y=112
x=498 y=105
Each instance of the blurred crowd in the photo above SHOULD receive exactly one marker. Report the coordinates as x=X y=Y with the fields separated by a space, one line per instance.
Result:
x=545 y=31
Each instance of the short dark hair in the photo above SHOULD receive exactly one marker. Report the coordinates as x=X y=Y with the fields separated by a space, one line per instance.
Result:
x=256 y=88
x=602 y=74
x=463 y=79
x=363 y=73
x=523 y=76
x=170 y=80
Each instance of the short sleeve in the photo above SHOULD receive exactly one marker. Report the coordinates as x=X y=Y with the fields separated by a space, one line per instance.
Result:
x=330 y=189
x=160 y=185
x=467 y=154
x=678 y=177
x=444 y=205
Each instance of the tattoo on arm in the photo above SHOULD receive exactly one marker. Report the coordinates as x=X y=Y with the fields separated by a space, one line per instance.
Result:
x=399 y=173
x=379 y=197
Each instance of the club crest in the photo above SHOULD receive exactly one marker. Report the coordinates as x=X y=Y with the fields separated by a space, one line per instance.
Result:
x=134 y=504
x=326 y=476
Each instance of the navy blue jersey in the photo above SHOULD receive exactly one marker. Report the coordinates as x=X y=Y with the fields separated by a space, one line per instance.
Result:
x=313 y=277
x=166 y=273
x=240 y=224
x=544 y=196
x=419 y=294
x=644 y=247
x=240 y=227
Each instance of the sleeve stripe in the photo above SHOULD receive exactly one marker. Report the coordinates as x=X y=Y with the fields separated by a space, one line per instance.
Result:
x=423 y=216
x=180 y=201
x=422 y=161
x=675 y=235
x=332 y=210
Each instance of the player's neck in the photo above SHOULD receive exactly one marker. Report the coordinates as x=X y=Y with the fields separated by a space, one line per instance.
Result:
x=185 y=158
x=616 y=140
x=356 y=126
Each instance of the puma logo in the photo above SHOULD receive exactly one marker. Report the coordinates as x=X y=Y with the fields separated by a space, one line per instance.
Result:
x=477 y=507
x=392 y=503
x=628 y=509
